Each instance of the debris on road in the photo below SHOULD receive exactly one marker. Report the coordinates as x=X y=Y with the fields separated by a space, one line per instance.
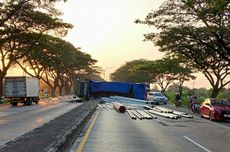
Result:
x=139 y=109
x=119 y=107
x=162 y=114
x=132 y=116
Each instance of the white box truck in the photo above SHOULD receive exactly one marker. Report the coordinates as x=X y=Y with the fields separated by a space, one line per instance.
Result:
x=21 y=89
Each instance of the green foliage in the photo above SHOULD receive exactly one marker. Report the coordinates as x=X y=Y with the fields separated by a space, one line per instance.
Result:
x=131 y=72
x=55 y=59
x=22 y=23
x=197 y=31
x=162 y=72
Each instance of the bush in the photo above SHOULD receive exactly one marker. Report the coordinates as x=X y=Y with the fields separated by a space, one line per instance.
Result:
x=184 y=99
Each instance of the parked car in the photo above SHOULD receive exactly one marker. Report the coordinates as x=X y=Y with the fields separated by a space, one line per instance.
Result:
x=215 y=109
x=157 y=97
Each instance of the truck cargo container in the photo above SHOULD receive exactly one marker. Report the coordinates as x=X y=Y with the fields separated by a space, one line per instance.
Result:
x=89 y=88
x=21 y=89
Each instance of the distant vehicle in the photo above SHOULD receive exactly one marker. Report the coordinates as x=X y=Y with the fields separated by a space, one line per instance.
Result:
x=21 y=89
x=157 y=97
x=215 y=109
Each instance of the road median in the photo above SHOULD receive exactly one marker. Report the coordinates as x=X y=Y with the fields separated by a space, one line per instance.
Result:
x=57 y=135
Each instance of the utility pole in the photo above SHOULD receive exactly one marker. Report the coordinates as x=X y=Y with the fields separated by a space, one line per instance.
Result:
x=104 y=71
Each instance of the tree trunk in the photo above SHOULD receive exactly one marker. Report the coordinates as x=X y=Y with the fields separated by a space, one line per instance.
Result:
x=61 y=93
x=180 y=90
x=53 y=94
x=54 y=88
x=215 y=92
x=1 y=86
x=2 y=75
x=163 y=90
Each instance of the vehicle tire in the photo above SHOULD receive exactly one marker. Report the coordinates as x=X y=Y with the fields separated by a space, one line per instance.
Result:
x=193 y=109
x=28 y=102
x=35 y=100
x=201 y=115
x=14 y=104
x=198 y=110
x=211 y=116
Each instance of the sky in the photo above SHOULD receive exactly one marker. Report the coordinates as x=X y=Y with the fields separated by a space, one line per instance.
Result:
x=105 y=29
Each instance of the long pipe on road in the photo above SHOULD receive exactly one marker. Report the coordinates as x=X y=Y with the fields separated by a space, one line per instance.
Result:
x=119 y=107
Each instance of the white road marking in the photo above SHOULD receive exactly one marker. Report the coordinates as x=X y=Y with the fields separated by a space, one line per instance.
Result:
x=202 y=147
x=3 y=114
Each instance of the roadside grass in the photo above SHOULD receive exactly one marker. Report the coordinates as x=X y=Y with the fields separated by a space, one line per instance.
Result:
x=184 y=99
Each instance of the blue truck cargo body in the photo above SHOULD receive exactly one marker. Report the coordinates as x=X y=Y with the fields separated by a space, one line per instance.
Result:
x=98 y=86
x=103 y=88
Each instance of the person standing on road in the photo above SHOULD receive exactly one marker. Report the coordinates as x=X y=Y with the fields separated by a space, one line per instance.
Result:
x=178 y=100
x=189 y=100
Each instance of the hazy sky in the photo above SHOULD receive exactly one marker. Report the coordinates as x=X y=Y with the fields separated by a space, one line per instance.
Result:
x=105 y=29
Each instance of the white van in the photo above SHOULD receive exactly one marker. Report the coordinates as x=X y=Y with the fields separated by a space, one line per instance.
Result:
x=157 y=97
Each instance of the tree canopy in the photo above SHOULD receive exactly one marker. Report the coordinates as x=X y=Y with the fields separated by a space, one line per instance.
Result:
x=197 y=31
x=130 y=72
x=161 y=72
x=55 y=59
x=22 y=23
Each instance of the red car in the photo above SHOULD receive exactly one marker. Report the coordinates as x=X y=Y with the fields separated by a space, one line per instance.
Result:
x=215 y=109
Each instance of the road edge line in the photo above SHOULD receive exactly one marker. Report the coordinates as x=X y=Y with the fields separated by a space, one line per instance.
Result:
x=83 y=142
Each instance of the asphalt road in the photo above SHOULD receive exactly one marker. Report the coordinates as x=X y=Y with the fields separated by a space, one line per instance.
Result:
x=113 y=132
x=16 y=121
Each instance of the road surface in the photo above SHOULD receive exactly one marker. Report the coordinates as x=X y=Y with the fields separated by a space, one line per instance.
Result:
x=113 y=131
x=16 y=121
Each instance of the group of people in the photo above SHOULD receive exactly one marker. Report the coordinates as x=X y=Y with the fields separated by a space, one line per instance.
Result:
x=193 y=102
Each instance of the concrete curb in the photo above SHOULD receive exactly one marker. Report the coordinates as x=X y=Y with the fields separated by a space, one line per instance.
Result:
x=57 y=135
x=65 y=143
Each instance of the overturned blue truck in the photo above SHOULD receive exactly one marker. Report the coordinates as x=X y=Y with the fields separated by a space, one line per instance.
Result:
x=89 y=88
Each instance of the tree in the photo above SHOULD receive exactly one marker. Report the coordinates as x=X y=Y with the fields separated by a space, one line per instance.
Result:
x=22 y=23
x=184 y=70
x=199 y=32
x=53 y=60
x=167 y=70
x=130 y=72
x=162 y=72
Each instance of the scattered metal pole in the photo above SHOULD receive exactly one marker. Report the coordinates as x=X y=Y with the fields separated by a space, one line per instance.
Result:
x=131 y=114
x=119 y=107
x=154 y=116
x=146 y=115
x=137 y=115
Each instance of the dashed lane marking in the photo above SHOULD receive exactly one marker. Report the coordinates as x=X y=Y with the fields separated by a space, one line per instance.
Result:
x=202 y=147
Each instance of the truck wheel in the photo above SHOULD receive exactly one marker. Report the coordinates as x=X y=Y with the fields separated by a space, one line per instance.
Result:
x=35 y=100
x=14 y=104
x=29 y=102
